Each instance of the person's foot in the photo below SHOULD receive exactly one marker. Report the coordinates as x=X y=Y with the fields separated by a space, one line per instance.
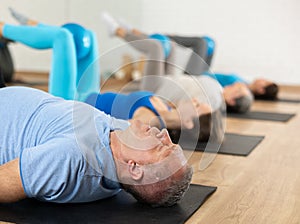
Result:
x=111 y=24
x=19 y=17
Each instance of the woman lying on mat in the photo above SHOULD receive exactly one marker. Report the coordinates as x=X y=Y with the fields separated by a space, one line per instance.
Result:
x=66 y=151
x=153 y=107
x=161 y=61
x=181 y=104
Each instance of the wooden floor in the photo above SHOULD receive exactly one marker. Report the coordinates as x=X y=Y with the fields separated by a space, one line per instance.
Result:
x=263 y=187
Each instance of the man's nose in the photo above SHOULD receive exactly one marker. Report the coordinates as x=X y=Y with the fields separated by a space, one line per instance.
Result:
x=164 y=137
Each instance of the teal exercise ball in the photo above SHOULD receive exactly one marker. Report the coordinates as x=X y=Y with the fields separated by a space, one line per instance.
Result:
x=82 y=39
x=165 y=42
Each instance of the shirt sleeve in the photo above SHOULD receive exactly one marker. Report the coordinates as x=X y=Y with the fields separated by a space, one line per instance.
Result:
x=49 y=171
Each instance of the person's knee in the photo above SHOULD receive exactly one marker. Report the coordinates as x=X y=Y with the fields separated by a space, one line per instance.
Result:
x=64 y=35
x=200 y=42
x=81 y=37
x=155 y=48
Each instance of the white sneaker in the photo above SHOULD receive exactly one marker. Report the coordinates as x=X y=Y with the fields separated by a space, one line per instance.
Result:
x=111 y=24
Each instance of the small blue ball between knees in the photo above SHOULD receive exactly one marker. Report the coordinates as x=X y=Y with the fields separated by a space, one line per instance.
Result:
x=165 y=42
x=82 y=39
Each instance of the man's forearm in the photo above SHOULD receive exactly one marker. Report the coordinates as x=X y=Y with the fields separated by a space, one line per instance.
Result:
x=11 y=188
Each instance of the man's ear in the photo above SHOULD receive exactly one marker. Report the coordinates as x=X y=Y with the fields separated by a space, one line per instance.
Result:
x=135 y=170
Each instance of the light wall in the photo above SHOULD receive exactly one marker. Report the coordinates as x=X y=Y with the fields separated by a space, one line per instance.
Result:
x=254 y=38
x=58 y=12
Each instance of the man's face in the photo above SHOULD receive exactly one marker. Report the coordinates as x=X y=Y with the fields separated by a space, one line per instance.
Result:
x=150 y=146
x=259 y=85
x=235 y=91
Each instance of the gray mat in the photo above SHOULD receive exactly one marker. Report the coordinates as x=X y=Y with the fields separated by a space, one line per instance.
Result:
x=233 y=144
x=122 y=208
x=265 y=116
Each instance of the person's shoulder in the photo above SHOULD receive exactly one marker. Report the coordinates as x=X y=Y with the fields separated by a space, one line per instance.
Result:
x=22 y=89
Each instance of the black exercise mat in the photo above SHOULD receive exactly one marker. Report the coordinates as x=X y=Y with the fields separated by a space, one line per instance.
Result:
x=122 y=208
x=233 y=144
x=260 y=115
x=284 y=100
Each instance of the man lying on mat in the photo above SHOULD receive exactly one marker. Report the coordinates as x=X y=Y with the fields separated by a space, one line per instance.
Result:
x=67 y=151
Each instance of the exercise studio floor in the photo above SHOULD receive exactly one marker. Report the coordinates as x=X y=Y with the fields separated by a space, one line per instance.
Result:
x=262 y=187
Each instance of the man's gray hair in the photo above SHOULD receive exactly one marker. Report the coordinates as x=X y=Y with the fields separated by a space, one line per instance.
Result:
x=242 y=104
x=164 y=193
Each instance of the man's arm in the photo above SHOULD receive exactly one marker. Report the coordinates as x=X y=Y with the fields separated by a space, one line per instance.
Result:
x=11 y=188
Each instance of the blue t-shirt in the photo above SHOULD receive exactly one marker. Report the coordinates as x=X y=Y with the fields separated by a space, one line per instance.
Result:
x=225 y=79
x=123 y=106
x=63 y=146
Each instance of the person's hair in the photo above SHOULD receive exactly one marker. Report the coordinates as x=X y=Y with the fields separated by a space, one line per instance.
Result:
x=164 y=193
x=271 y=92
x=202 y=135
x=210 y=126
x=242 y=105
x=6 y=63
